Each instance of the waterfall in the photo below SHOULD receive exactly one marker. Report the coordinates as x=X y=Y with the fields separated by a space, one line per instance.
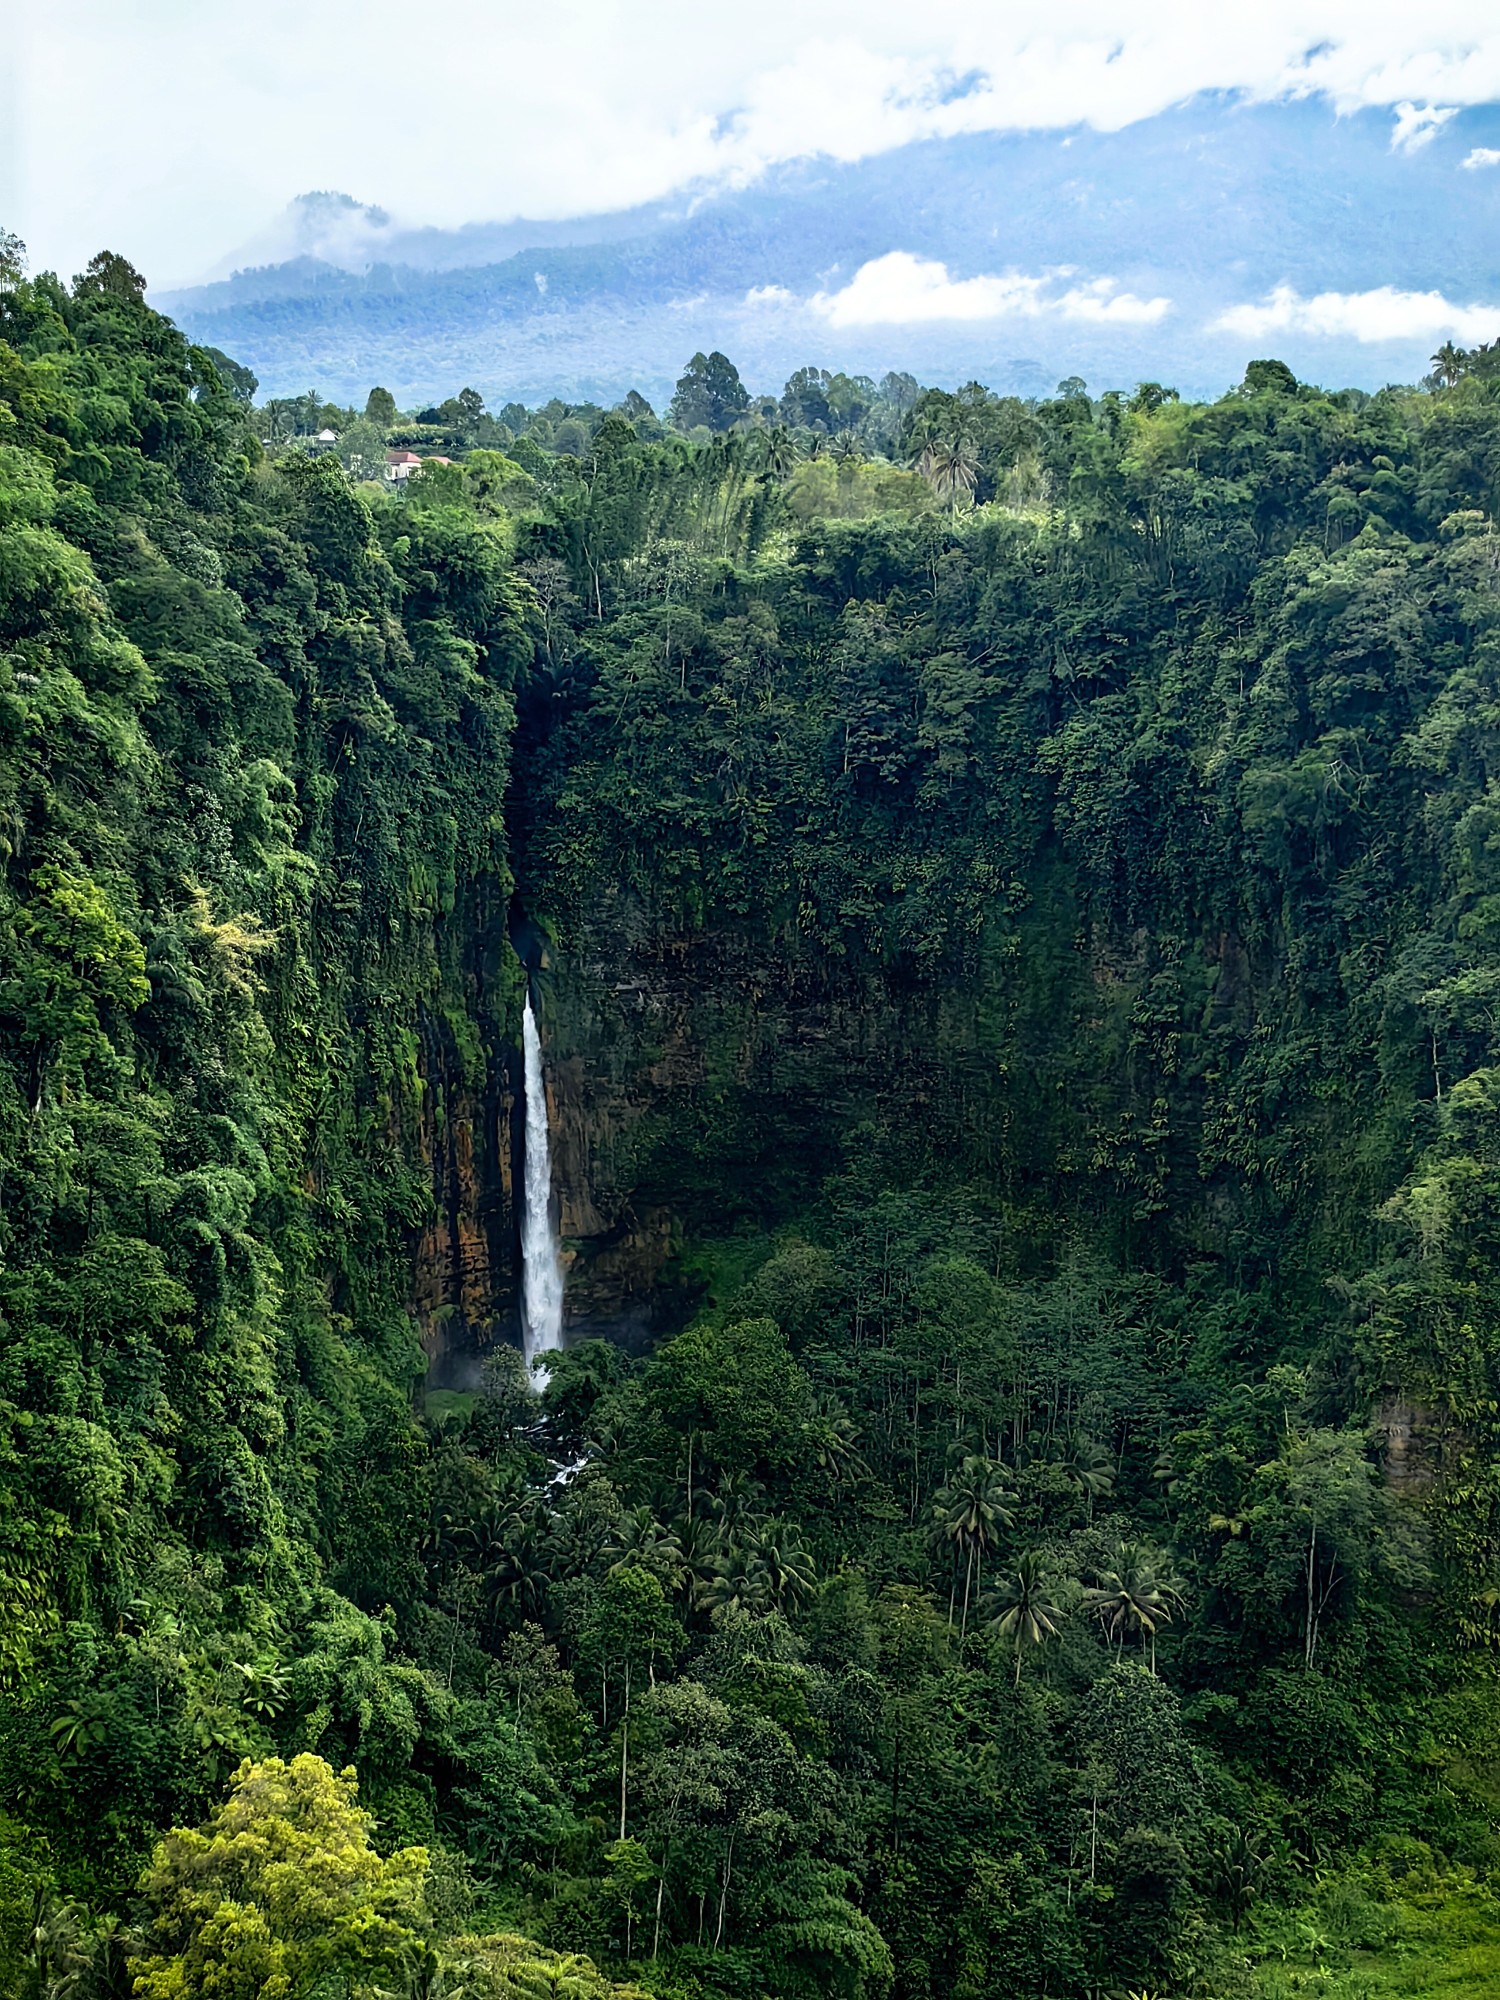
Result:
x=541 y=1268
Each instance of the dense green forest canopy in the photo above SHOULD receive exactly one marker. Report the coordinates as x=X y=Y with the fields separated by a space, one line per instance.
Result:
x=1059 y=1552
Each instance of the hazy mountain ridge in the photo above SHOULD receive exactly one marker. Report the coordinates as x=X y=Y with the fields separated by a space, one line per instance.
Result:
x=1210 y=206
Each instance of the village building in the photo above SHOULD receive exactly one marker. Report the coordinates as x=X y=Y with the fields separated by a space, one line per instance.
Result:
x=400 y=465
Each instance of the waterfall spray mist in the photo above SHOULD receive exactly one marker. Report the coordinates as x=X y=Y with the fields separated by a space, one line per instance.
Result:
x=541 y=1268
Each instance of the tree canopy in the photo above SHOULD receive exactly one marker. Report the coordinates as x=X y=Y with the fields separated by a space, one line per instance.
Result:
x=1007 y=889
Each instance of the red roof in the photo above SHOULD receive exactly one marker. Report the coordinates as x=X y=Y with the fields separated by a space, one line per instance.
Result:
x=402 y=458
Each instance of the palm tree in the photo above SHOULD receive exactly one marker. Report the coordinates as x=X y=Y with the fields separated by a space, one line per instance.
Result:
x=835 y=1442
x=845 y=449
x=734 y=1506
x=969 y=1512
x=1091 y=1469
x=787 y=1566
x=779 y=451
x=426 y=1976
x=951 y=468
x=640 y=1541
x=699 y=1545
x=56 y=1943
x=1136 y=1596
x=518 y=1569
x=1449 y=364
x=1030 y=1613
x=71 y=1963
x=739 y=1578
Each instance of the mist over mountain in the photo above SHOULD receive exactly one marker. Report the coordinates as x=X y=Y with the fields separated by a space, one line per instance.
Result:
x=1177 y=248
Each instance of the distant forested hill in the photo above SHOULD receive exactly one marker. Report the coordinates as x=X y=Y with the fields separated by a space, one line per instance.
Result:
x=1012 y=917
x=1209 y=206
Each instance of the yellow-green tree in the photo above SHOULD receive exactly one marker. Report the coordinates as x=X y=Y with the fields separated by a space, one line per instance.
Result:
x=503 y=1966
x=280 y=1892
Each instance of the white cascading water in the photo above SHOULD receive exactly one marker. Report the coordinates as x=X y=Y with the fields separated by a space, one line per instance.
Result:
x=541 y=1267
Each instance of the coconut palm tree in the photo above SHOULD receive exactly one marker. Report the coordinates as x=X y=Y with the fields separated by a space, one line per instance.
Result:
x=1448 y=364
x=734 y=1506
x=640 y=1541
x=426 y=1976
x=518 y=1568
x=55 y=1943
x=969 y=1513
x=779 y=452
x=69 y=1962
x=787 y=1566
x=700 y=1547
x=739 y=1578
x=835 y=1442
x=951 y=468
x=1090 y=1469
x=1136 y=1596
x=1028 y=1604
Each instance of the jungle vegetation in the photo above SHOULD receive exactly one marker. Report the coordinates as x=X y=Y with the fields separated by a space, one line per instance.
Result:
x=1059 y=1554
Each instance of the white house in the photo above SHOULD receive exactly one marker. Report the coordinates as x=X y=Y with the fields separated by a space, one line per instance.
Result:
x=400 y=465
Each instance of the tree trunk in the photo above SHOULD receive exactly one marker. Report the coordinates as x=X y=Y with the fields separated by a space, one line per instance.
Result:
x=724 y=1890
x=624 y=1748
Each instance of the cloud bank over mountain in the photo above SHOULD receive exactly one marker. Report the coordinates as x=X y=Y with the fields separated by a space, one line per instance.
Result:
x=1176 y=247
x=1384 y=314
x=188 y=127
x=900 y=289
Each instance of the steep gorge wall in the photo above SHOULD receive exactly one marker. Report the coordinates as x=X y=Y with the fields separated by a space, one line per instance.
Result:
x=464 y=1265
x=703 y=1082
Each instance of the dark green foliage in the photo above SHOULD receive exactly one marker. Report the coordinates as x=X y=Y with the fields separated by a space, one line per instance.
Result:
x=1048 y=914
x=709 y=393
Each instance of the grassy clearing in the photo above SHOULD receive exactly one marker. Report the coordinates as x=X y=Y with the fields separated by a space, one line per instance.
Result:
x=1437 y=1944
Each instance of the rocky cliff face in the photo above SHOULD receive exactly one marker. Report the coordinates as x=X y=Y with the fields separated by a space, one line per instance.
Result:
x=466 y=1261
x=699 y=1082
x=696 y=1084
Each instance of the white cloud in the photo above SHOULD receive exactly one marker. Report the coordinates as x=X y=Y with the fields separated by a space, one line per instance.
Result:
x=1382 y=314
x=770 y=295
x=1417 y=125
x=162 y=128
x=900 y=289
x=1100 y=301
x=1483 y=156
